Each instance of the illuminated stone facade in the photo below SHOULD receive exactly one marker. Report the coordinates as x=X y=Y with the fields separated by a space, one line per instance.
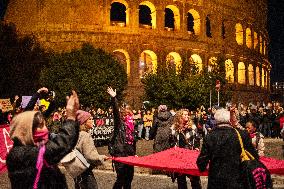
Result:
x=142 y=34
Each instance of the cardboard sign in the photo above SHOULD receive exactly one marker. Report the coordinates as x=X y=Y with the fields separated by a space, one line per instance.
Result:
x=25 y=101
x=43 y=102
x=6 y=105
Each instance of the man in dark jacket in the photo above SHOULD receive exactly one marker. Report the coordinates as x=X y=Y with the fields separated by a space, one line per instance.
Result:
x=221 y=150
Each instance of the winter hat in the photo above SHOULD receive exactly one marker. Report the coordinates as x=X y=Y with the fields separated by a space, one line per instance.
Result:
x=22 y=127
x=83 y=116
x=162 y=108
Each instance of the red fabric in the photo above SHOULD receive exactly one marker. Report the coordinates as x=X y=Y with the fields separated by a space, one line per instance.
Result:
x=275 y=166
x=281 y=121
x=176 y=159
x=5 y=145
x=181 y=160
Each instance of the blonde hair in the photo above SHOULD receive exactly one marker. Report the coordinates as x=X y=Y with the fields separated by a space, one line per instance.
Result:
x=177 y=120
x=84 y=127
x=126 y=110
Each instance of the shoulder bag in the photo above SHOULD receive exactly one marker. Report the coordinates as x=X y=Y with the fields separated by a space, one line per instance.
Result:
x=254 y=173
x=75 y=163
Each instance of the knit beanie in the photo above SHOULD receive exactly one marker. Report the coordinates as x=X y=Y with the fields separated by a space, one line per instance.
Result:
x=83 y=116
x=162 y=108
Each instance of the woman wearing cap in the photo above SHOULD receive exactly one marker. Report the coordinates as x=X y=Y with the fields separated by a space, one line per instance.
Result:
x=86 y=146
x=32 y=161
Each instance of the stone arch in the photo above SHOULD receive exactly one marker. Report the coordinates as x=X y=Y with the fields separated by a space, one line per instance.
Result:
x=193 y=26
x=197 y=61
x=267 y=79
x=147 y=63
x=172 y=14
x=241 y=73
x=208 y=27
x=248 y=38
x=152 y=14
x=264 y=47
x=260 y=44
x=212 y=63
x=263 y=77
x=229 y=67
x=257 y=76
x=250 y=74
x=119 y=13
x=255 y=40
x=123 y=56
x=174 y=60
x=223 y=30
x=239 y=34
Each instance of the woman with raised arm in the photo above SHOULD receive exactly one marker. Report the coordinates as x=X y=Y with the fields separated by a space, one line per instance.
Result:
x=123 y=142
x=32 y=162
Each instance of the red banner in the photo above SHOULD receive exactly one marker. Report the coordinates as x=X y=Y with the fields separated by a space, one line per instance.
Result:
x=181 y=160
x=5 y=145
x=176 y=159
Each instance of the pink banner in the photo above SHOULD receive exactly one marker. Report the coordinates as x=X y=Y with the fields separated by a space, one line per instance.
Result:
x=181 y=160
x=5 y=145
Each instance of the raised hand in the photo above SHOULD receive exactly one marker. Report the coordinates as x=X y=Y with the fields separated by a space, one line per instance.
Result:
x=111 y=92
x=72 y=105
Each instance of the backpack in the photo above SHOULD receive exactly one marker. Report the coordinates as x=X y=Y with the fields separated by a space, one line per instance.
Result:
x=255 y=175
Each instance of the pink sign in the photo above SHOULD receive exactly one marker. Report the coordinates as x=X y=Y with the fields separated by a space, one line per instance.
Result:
x=5 y=145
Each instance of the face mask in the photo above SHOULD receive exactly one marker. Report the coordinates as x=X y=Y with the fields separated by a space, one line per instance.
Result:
x=41 y=135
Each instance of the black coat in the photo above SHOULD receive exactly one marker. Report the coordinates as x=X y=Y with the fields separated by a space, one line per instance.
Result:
x=21 y=160
x=118 y=145
x=221 y=149
x=161 y=131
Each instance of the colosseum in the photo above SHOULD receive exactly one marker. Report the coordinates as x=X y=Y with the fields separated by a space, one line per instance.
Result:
x=142 y=34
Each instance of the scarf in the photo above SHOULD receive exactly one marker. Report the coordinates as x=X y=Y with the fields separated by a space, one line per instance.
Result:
x=40 y=136
x=40 y=139
x=252 y=135
x=129 y=126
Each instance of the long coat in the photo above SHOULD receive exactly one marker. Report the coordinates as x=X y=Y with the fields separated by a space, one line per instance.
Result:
x=222 y=148
x=22 y=159
x=161 y=131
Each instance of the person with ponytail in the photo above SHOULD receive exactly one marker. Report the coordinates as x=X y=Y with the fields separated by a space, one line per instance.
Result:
x=32 y=162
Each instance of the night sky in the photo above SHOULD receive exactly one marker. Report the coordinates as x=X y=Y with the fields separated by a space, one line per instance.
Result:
x=275 y=26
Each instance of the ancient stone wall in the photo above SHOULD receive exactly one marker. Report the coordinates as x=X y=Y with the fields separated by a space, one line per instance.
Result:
x=202 y=30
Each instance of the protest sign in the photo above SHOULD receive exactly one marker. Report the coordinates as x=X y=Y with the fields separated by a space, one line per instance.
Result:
x=6 y=105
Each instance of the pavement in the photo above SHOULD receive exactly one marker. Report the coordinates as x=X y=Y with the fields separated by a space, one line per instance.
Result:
x=144 y=177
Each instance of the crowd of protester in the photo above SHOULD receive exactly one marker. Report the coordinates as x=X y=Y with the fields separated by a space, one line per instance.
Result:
x=167 y=127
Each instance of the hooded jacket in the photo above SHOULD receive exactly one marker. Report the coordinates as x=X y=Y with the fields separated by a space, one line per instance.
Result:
x=22 y=158
x=161 y=131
